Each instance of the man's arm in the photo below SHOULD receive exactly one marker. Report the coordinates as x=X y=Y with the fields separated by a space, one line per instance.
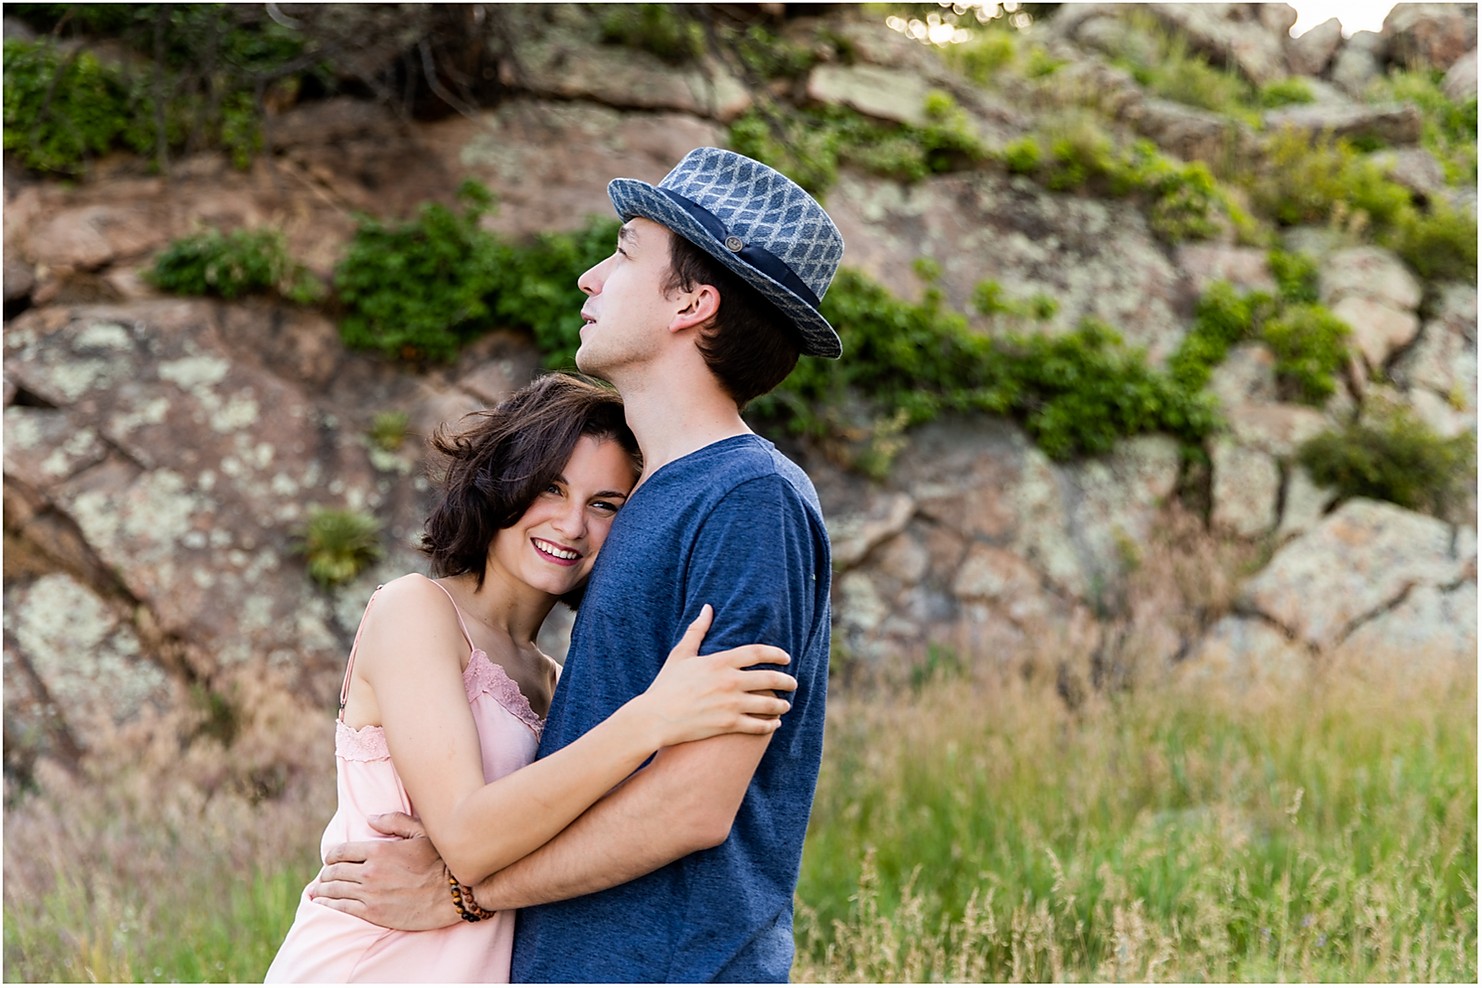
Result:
x=685 y=800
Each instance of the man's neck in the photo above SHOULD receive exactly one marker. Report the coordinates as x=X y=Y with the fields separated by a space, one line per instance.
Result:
x=671 y=421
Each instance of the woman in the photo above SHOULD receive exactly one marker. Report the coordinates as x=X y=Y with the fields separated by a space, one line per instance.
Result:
x=445 y=690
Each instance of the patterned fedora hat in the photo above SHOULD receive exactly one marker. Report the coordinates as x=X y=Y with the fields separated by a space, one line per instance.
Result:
x=754 y=220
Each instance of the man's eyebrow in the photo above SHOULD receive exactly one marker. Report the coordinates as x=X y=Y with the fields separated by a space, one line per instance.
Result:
x=627 y=235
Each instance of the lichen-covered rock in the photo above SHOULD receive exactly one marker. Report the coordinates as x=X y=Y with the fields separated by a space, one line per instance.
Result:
x=1253 y=47
x=1095 y=258
x=1390 y=123
x=1304 y=502
x=1379 y=330
x=92 y=671
x=876 y=91
x=1358 y=63
x=1431 y=626
x=1241 y=652
x=1430 y=35
x=1311 y=51
x=1460 y=83
x=1187 y=132
x=1440 y=370
x=1247 y=484
x=1247 y=268
x=1361 y=561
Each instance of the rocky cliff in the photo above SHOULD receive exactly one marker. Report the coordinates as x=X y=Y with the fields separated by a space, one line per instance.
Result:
x=161 y=454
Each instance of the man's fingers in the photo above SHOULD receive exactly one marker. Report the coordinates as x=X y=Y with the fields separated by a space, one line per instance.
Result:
x=397 y=825
x=353 y=852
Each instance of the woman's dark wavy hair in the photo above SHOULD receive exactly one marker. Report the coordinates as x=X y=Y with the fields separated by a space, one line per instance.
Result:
x=497 y=467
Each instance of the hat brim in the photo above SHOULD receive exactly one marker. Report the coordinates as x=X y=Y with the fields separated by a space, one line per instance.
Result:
x=631 y=198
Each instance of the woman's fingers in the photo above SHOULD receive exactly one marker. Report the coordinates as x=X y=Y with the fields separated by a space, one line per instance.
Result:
x=689 y=643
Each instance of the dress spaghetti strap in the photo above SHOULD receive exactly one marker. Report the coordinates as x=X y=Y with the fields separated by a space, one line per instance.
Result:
x=350 y=663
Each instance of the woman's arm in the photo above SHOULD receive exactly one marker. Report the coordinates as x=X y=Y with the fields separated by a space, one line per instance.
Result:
x=480 y=828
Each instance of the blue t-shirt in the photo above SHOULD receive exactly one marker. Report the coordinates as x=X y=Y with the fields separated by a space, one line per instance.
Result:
x=736 y=525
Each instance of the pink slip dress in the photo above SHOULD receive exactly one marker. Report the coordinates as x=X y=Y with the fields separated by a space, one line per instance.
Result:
x=325 y=945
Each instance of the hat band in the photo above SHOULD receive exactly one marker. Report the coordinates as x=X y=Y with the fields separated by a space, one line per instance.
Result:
x=758 y=257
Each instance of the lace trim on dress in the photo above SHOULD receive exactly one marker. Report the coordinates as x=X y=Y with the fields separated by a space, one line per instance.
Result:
x=489 y=677
x=481 y=675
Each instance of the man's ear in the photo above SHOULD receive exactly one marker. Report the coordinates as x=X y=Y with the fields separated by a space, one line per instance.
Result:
x=700 y=306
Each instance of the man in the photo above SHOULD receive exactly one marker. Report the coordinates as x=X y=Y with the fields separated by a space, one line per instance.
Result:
x=686 y=871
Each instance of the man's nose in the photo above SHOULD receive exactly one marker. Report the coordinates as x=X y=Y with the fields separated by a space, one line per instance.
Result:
x=592 y=278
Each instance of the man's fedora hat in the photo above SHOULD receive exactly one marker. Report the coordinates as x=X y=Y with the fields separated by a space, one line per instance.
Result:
x=754 y=220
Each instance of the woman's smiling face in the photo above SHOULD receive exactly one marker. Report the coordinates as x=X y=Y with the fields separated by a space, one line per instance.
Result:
x=554 y=543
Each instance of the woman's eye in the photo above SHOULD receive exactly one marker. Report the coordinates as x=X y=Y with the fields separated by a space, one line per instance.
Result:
x=553 y=489
x=607 y=506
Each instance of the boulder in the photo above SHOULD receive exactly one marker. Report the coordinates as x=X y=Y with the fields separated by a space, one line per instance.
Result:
x=1311 y=51
x=1240 y=652
x=1389 y=123
x=1246 y=375
x=1304 y=502
x=1368 y=272
x=1460 y=83
x=1251 y=47
x=1415 y=168
x=1430 y=35
x=74 y=665
x=1246 y=488
x=1246 y=268
x=1361 y=561
x=1095 y=258
x=876 y=91
x=1379 y=331
x=1358 y=64
x=1274 y=428
x=1443 y=361
x=189 y=472
x=1430 y=627
x=1186 y=132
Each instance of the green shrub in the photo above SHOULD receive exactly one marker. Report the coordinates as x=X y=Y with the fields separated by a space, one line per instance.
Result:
x=1310 y=344
x=1022 y=157
x=1223 y=317
x=1291 y=91
x=231 y=265
x=1295 y=274
x=339 y=544
x=417 y=290
x=1393 y=456
x=1308 y=341
x=1448 y=128
x=770 y=57
x=661 y=29
x=206 y=66
x=60 y=110
x=909 y=363
x=1165 y=66
x=536 y=287
x=1304 y=181
x=388 y=431
x=1440 y=244
x=809 y=145
x=1183 y=200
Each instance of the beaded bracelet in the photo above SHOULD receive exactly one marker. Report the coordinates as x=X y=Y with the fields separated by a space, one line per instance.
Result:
x=463 y=900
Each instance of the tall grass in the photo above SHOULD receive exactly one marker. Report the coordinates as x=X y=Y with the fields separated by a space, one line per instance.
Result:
x=1179 y=831
x=970 y=827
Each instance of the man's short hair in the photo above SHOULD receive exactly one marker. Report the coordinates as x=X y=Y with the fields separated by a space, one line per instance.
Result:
x=749 y=345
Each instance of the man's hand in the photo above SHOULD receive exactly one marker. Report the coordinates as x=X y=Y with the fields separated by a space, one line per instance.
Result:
x=397 y=884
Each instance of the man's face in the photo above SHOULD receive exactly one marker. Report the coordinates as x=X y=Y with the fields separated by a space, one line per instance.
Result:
x=627 y=313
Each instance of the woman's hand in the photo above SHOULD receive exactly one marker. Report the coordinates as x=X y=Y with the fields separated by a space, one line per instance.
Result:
x=699 y=696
